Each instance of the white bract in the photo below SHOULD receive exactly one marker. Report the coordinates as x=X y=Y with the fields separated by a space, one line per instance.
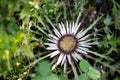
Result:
x=68 y=43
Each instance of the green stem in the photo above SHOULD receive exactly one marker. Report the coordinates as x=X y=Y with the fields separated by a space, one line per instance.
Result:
x=116 y=3
x=49 y=21
x=36 y=61
x=93 y=24
x=41 y=30
x=74 y=70
x=103 y=63
x=101 y=28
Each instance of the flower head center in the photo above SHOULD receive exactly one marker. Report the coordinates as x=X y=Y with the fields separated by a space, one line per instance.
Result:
x=67 y=44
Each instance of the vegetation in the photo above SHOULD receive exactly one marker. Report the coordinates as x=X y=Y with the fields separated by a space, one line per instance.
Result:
x=24 y=28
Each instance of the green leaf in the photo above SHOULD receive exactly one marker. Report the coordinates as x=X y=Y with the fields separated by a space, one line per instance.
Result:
x=107 y=20
x=37 y=78
x=53 y=77
x=47 y=77
x=43 y=68
x=84 y=65
x=117 y=78
x=94 y=74
x=83 y=77
x=116 y=14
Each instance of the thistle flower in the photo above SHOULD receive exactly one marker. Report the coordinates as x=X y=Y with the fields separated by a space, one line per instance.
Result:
x=68 y=43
